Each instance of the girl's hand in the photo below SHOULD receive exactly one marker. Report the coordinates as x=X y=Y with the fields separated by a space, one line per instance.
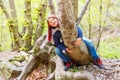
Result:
x=77 y=42
x=69 y=50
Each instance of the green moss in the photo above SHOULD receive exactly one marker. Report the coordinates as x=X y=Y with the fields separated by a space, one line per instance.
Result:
x=24 y=49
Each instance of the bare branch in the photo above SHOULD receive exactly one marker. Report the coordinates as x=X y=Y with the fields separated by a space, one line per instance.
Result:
x=83 y=12
x=4 y=9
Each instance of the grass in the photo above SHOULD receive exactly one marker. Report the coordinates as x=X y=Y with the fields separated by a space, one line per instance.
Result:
x=110 y=48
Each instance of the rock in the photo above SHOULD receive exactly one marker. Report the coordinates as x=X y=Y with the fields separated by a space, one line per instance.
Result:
x=11 y=66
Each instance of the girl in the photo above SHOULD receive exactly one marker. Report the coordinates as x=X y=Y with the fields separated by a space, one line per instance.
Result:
x=55 y=37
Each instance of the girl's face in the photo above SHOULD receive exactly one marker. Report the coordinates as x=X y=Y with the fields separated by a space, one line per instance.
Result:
x=53 y=22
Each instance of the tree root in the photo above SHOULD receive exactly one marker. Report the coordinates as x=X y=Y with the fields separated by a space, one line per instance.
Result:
x=60 y=74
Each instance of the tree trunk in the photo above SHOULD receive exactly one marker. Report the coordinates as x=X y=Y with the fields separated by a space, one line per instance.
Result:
x=89 y=21
x=31 y=65
x=15 y=23
x=39 y=55
x=4 y=10
x=75 y=8
x=29 y=26
x=51 y=6
x=12 y=9
x=16 y=43
x=69 y=32
x=41 y=18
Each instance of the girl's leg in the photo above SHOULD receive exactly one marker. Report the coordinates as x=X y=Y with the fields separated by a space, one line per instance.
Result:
x=97 y=61
x=64 y=57
x=91 y=48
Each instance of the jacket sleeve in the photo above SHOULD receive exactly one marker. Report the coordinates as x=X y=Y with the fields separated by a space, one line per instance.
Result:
x=57 y=42
x=80 y=34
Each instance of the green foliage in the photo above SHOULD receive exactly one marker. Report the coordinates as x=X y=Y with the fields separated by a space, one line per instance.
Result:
x=110 y=48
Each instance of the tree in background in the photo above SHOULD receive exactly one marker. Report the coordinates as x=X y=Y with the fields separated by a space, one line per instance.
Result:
x=27 y=38
x=12 y=23
x=24 y=41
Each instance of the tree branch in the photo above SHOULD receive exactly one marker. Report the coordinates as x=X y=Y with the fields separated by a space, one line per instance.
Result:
x=83 y=12
x=4 y=9
x=51 y=6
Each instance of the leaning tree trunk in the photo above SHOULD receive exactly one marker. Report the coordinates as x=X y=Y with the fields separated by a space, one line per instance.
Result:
x=4 y=10
x=83 y=12
x=68 y=29
x=39 y=55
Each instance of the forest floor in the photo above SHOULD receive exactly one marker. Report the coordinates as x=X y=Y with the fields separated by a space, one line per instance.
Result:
x=113 y=73
x=111 y=33
x=40 y=73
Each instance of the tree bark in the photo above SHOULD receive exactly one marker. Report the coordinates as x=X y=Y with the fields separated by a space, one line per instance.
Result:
x=51 y=6
x=31 y=65
x=89 y=22
x=29 y=26
x=15 y=22
x=4 y=10
x=41 y=19
x=69 y=32
x=75 y=8
x=12 y=8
